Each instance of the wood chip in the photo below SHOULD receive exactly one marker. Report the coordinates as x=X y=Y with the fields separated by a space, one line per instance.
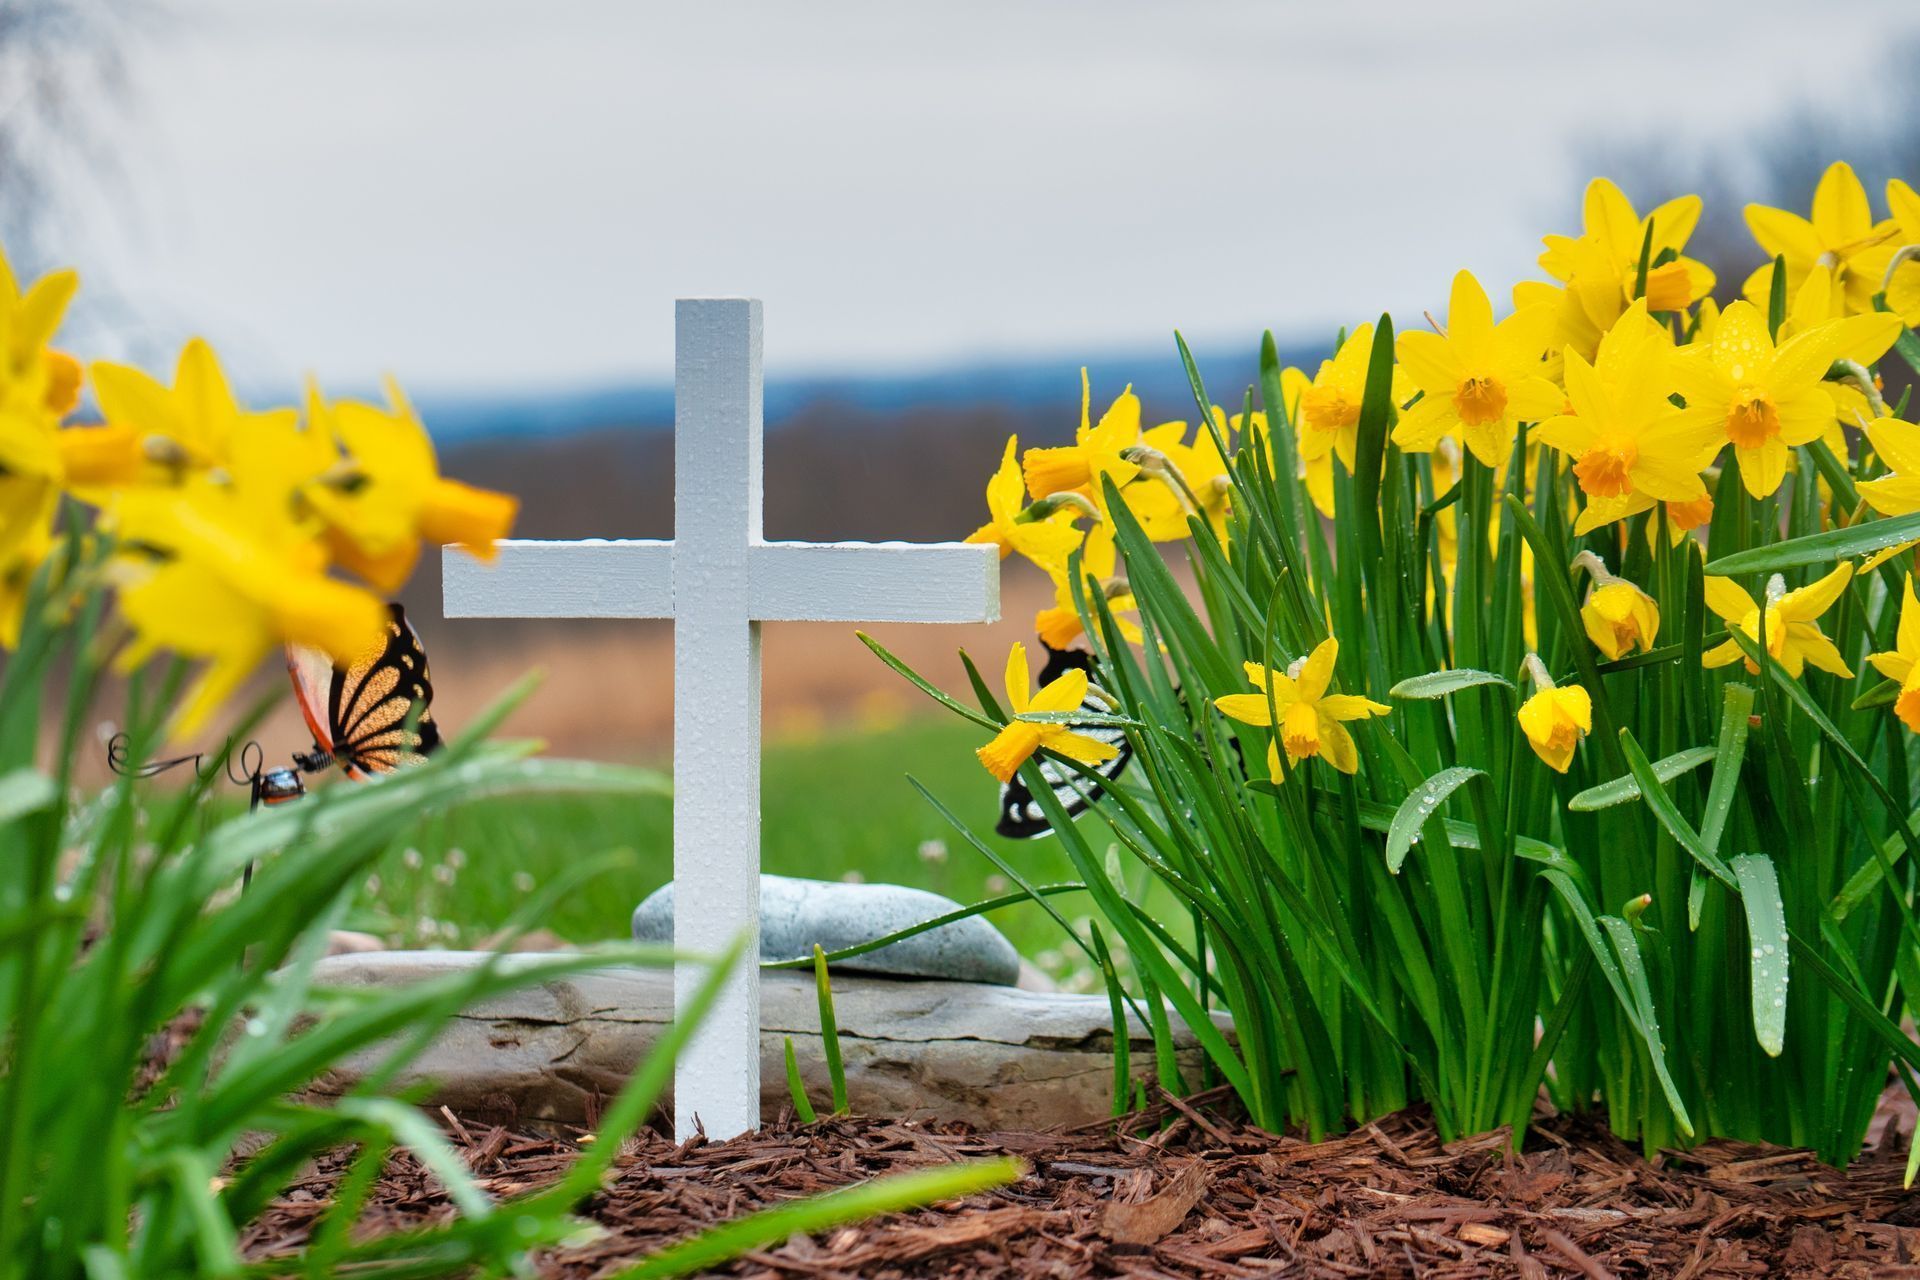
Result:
x=1484 y=1235
x=1151 y=1220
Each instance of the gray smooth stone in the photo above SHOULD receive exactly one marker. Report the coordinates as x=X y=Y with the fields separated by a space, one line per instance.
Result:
x=795 y=914
x=989 y=1056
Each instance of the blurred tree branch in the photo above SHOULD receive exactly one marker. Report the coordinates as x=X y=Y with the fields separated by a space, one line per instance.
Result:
x=63 y=77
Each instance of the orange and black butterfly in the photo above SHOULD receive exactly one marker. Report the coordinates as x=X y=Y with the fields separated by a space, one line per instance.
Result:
x=372 y=716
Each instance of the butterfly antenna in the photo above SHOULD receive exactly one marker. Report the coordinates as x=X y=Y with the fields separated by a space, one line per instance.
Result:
x=251 y=758
x=120 y=759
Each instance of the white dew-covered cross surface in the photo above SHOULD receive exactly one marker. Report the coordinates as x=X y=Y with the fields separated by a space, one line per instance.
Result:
x=719 y=580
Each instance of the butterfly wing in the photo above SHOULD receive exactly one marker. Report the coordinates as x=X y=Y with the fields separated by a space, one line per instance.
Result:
x=378 y=709
x=312 y=673
x=1021 y=817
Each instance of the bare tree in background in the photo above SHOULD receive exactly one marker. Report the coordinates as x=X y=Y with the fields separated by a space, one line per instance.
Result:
x=1778 y=164
x=62 y=78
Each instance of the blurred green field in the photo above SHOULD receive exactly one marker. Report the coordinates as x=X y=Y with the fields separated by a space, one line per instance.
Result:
x=833 y=807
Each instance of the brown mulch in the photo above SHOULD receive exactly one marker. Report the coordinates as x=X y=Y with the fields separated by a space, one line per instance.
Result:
x=1188 y=1192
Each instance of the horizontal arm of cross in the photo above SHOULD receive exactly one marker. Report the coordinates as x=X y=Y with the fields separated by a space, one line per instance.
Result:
x=874 y=582
x=591 y=578
x=789 y=581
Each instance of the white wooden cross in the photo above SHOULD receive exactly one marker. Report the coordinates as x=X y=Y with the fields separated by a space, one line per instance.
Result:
x=718 y=580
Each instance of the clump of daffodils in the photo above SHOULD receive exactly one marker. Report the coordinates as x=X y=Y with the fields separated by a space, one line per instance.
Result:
x=1634 y=392
x=230 y=530
x=1507 y=700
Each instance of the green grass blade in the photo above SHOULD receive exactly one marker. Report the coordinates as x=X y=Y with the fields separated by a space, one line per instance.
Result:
x=1438 y=684
x=913 y=930
x=1622 y=790
x=830 y=1031
x=1419 y=806
x=920 y=682
x=796 y=1087
x=1655 y=794
x=1633 y=967
x=1861 y=539
x=1729 y=753
x=1767 y=932
x=1122 y=1033
x=717 y=1245
x=25 y=791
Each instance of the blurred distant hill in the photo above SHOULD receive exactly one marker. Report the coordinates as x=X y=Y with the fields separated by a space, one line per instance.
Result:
x=1039 y=385
x=846 y=458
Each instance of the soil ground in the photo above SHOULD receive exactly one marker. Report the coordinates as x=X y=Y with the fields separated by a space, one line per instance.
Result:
x=1185 y=1190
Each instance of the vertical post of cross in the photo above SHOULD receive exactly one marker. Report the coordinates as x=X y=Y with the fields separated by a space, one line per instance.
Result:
x=716 y=702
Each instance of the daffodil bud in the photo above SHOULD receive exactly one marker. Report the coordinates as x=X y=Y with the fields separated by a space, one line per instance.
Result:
x=1855 y=373
x=1049 y=506
x=1554 y=718
x=1618 y=615
x=164 y=451
x=1154 y=463
x=344 y=476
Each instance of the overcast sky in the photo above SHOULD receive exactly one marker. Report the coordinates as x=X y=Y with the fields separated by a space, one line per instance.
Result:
x=481 y=194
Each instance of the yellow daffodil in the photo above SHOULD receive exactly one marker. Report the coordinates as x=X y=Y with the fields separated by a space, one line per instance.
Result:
x=1571 y=328
x=1014 y=745
x=1901 y=280
x=1060 y=625
x=163 y=432
x=1480 y=380
x=1619 y=616
x=1840 y=234
x=1311 y=719
x=27 y=506
x=1326 y=407
x=389 y=494
x=1629 y=445
x=1767 y=400
x=1794 y=637
x=1898 y=444
x=35 y=380
x=39 y=386
x=1555 y=718
x=1600 y=268
x=215 y=573
x=1047 y=540
x=1810 y=308
x=1902 y=662
x=1095 y=452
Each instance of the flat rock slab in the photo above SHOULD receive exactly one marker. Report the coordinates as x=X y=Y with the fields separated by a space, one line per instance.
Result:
x=990 y=1056
x=797 y=913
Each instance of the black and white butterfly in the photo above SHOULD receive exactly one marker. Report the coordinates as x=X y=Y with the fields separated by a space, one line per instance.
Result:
x=1021 y=817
